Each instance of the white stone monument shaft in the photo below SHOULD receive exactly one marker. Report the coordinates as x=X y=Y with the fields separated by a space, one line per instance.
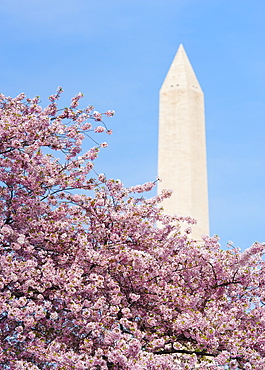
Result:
x=182 y=144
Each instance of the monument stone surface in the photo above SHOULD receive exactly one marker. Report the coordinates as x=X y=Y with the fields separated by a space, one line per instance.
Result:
x=182 y=145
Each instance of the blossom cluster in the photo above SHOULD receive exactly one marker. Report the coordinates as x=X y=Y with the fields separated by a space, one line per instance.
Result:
x=88 y=280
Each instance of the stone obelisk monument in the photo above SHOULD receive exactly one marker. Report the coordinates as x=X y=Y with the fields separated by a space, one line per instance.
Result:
x=182 y=145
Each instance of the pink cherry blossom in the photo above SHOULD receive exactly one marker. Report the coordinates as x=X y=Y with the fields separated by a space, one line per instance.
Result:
x=88 y=281
x=110 y=113
x=99 y=129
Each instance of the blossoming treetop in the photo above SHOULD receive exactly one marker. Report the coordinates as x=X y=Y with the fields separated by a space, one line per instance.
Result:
x=89 y=281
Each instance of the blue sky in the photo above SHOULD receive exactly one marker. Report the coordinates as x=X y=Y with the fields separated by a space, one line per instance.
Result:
x=118 y=53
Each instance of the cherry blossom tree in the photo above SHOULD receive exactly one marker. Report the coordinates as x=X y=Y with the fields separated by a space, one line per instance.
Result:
x=87 y=279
